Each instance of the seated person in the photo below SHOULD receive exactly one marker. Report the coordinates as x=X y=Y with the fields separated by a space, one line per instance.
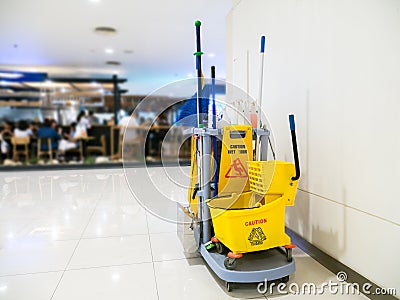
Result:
x=69 y=141
x=33 y=126
x=93 y=120
x=23 y=129
x=5 y=136
x=82 y=125
x=48 y=131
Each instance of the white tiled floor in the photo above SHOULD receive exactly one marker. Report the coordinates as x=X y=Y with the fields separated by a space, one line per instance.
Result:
x=82 y=235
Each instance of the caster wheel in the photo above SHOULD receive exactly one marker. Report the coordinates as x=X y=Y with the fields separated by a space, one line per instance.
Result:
x=289 y=254
x=221 y=249
x=285 y=279
x=229 y=286
x=230 y=263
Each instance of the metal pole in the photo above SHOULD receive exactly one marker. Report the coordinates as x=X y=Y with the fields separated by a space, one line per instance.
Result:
x=206 y=218
x=198 y=55
x=199 y=142
x=257 y=154
x=117 y=99
x=214 y=115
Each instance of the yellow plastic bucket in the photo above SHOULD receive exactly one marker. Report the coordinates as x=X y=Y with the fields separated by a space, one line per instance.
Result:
x=244 y=228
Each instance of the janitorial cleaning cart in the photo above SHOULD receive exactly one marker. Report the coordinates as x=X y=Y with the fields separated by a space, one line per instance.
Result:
x=237 y=198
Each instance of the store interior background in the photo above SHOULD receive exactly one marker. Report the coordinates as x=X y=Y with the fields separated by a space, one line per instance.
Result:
x=335 y=64
x=154 y=41
x=151 y=48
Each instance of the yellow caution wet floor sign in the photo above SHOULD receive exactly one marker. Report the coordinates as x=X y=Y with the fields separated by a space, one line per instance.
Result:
x=236 y=152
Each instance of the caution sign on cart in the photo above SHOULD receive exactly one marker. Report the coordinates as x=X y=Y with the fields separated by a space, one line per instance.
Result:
x=237 y=170
x=236 y=151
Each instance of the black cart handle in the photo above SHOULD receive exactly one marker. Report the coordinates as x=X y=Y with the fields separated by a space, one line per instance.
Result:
x=294 y=144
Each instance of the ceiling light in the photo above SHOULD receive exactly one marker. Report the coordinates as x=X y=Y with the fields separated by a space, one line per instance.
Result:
x=109 y=51
x=113 y=63
x=105 y=30
x=211 y=55
x=115 y=276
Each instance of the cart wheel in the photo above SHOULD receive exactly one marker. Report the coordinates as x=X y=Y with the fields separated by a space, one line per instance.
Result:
x=230 y=263
x=229 y=286
x=221 y=249
x=289 y=254
x=285 y=279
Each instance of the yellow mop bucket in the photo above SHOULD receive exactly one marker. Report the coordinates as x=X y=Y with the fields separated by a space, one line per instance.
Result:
x=243 y=228
x=255 y=220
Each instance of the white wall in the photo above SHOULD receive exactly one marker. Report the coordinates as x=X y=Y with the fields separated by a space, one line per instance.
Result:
x=336 y=65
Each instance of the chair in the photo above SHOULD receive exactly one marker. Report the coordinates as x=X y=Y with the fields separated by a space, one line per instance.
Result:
x=98 y=148
x=20 y=142
x=78 y=150
x=49 y=151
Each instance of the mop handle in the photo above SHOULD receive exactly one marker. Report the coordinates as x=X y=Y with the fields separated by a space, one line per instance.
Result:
x=198 y=55
x=294 y=144
x=214 y=108
x=262 y=44
x=214 y=114
x=262 y=51
x=258 y=108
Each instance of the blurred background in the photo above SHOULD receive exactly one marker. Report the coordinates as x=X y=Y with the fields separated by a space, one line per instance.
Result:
x=73 y=72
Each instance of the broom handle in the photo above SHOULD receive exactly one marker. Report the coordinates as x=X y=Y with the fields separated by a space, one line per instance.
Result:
x=214 y=113
x=261 y=80
x=259 y=125
x=294 y=144
x=198 y=55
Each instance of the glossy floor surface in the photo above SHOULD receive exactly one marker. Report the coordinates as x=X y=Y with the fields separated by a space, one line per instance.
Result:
x=83 y=235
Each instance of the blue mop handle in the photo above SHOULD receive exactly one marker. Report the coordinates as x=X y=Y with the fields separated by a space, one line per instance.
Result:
x=262 y=44
x=292 y=123
x=262 y=51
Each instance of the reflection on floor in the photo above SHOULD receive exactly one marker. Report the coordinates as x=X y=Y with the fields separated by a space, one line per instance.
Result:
x=83 y=235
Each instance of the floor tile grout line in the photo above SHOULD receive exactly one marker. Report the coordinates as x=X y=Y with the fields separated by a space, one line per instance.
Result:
x=152 y=257
x=176 y=259
x=109 y=266
x=158 y=233
x=31 y=273
x=76 y=247
x=113 y=236
x=102 y=266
